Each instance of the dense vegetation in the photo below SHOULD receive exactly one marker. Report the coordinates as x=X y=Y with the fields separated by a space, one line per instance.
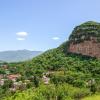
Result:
x=81 y=72
x=51 y=92
x=72 y=76
x=86 y=31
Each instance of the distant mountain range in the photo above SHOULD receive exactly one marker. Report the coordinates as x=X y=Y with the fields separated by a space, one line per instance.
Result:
x=18 y=55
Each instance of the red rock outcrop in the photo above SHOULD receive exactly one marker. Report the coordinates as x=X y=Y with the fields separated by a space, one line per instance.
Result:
x=89 y=48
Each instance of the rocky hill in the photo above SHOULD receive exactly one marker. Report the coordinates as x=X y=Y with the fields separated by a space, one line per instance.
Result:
x=85 y=39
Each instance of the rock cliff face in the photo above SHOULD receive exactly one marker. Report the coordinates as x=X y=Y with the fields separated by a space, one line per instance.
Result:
x=89 y=48
x=85 y=40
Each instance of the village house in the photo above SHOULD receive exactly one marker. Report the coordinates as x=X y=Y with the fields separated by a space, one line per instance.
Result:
x=1 y=76
x=5 y=66
x=18 y=86
x=13 y=77
x=2 y=81
x=45 y=79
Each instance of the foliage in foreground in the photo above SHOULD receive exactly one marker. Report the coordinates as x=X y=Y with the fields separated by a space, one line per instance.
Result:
x=51 y=92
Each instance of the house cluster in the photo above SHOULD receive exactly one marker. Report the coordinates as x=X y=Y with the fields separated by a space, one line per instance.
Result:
x=15 y=79
x=12 y=77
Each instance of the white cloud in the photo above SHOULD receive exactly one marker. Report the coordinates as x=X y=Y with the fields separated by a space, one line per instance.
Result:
x=22 y=34
x=20 y=39
x=55 y=38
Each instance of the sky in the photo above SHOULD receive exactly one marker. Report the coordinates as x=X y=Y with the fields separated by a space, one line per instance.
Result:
x=42 y=24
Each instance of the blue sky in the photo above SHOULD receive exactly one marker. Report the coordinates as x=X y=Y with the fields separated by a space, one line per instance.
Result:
x=42 y=24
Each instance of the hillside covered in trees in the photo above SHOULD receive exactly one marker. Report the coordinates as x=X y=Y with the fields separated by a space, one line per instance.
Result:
x=69 y=76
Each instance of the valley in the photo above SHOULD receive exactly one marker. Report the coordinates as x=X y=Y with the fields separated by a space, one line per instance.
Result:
x=57 y=74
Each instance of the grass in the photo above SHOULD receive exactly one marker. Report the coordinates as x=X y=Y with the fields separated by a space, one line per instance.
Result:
x=94 y=97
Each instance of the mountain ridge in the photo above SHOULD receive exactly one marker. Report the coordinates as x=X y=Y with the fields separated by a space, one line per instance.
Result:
x=18 y=55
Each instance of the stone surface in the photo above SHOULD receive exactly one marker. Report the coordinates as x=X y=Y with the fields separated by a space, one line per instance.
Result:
x=89 y=48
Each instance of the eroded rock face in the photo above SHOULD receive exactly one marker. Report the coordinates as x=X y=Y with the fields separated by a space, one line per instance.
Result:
x=89 y=48
x=85 y=39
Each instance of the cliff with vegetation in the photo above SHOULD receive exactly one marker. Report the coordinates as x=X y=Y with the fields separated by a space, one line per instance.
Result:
x=85 y=39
